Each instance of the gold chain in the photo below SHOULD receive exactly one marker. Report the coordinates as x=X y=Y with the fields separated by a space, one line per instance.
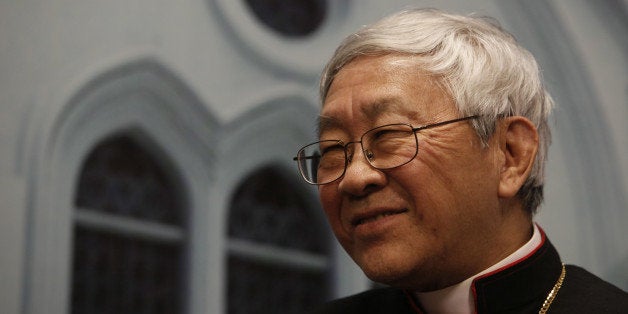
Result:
x=553 y=293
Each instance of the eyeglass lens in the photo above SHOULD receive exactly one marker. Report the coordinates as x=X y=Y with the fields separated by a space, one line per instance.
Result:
x=384 y=147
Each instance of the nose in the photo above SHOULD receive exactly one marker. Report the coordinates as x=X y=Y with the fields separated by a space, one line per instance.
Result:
x=360 y=177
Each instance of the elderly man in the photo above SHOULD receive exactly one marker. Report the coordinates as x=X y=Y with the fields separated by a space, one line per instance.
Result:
x=433 y=137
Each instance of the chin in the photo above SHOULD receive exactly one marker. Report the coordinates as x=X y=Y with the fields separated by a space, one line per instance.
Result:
x=401 y=281
x=397 y=272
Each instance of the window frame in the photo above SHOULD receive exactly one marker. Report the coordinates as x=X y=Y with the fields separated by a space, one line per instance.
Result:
x=145 y=100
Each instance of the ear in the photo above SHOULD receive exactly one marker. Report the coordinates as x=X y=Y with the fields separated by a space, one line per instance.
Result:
x=518 y=142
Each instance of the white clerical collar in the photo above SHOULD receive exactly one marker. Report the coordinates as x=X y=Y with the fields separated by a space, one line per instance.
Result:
x=459 y=298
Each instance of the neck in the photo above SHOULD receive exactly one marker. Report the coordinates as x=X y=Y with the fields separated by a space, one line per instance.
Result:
x=459 y=298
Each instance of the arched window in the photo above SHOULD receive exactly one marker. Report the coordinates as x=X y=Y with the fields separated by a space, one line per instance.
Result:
x=278 y=249
x=290 y=18
x=129 y=233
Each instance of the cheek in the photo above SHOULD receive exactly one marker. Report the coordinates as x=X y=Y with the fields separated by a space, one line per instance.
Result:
x=455 y=193
x=328 y=197
x=462 y=169
x=438 y=158
x=330 y=200
x=438 y=194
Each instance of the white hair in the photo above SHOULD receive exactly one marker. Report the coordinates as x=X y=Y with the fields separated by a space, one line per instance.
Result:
x=481 y=65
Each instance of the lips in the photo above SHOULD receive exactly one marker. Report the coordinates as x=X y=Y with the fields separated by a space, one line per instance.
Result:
x=374 y=216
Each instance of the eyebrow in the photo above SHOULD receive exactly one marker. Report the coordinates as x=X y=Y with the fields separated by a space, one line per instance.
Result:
x=372 y=111
x=326 y=123
x=376 y=109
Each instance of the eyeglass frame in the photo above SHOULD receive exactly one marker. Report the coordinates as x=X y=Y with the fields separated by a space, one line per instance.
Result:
x=345 y=145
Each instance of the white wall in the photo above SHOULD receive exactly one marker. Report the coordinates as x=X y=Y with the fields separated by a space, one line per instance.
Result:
x=52 y=50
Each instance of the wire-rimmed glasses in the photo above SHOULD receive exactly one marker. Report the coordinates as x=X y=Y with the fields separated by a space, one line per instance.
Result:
x=385 y=147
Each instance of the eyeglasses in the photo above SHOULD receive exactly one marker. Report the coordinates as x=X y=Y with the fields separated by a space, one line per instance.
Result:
x=385 y=147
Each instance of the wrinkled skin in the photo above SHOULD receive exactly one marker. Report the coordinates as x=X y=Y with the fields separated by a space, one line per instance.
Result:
x=446 y=215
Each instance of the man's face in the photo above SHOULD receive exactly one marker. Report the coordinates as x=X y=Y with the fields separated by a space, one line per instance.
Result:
x=429 y=223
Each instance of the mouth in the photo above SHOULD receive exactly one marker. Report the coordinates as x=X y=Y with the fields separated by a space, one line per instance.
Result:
x=374 y=216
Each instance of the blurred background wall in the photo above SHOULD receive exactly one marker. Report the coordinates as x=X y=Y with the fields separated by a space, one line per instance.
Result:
x=146 y=148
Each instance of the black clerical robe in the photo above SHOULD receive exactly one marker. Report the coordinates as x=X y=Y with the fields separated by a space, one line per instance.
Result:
x=520 y=287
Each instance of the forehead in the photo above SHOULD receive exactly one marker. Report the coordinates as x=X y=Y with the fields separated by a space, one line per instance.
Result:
x=370 y=87
x=370 y=112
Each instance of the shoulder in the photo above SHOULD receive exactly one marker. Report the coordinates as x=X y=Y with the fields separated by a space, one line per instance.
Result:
x=583 y=290
x=383 y=300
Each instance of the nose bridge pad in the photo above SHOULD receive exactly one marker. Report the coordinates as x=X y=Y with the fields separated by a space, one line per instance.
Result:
x=350 y=152
x=369 y=154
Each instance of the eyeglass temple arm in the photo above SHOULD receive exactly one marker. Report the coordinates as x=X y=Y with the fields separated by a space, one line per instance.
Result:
x=429 y=126
x=306 y=157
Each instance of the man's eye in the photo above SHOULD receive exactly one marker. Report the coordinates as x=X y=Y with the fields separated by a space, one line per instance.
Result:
x=332 y=157
x=380 y=133
x=389 y=134
x=332 y=150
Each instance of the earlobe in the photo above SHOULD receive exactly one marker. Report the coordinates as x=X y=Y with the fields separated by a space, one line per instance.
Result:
x=519 y=142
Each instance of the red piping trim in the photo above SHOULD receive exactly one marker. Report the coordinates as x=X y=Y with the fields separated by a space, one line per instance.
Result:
x=413 y=304
x=475 y=295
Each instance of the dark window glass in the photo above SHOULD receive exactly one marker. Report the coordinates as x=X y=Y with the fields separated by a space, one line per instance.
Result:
x=293 y=18
x=115 y=274
x=268 y=211
x=263 y=288
x=123 y=269
x=121 y=178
